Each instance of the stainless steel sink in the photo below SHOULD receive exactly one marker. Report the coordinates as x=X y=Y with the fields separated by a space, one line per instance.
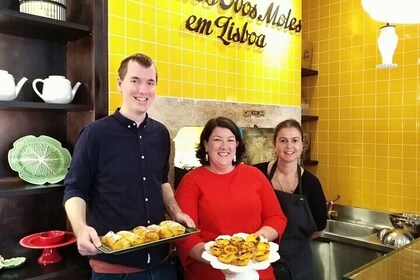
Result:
x=349 y=229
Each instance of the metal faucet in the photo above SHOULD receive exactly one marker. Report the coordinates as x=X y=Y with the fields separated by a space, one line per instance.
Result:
x=332 y=213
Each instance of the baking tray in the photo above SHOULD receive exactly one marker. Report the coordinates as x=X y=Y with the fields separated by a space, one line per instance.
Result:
x=107 y=250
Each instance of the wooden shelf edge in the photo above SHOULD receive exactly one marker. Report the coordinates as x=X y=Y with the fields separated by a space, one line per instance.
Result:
x=305 y=72
x=43 y=105
x=21 y=24
x=307 y=118
x=16 y=187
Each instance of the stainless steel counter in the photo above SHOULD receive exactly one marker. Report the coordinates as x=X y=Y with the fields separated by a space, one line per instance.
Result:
x=350 y=241
x=403 y=263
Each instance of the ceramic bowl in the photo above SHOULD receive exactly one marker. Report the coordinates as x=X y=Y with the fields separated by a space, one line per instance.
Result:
x=51 y=237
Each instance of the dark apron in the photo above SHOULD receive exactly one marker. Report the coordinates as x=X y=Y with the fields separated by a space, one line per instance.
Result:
x=295 y=251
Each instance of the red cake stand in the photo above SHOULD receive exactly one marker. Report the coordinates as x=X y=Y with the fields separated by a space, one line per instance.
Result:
x=50 y=252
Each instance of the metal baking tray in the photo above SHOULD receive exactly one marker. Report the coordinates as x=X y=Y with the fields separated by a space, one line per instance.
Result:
x=107 y=250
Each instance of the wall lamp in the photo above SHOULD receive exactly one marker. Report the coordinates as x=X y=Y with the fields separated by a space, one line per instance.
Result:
x=395 y=11
x=387 y=43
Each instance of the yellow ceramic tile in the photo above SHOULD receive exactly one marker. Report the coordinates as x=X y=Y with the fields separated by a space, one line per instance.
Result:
x=116 y=44
x=116 y=26
x=116 y=7
x=381 y=104
x=133 y=10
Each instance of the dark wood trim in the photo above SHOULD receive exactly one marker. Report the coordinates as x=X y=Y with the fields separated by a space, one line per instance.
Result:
x=310 y=162
x=21 y=24
x=308 y=72
x=308 y=118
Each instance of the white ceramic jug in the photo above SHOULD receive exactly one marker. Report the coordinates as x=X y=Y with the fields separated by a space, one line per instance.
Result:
x=8 y=90
x=56 y=89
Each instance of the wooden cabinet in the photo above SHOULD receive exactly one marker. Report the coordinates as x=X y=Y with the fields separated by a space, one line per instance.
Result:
x=36 y=47
x=308 y=118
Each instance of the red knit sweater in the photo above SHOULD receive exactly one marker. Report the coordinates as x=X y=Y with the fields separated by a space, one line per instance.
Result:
x=240 y=201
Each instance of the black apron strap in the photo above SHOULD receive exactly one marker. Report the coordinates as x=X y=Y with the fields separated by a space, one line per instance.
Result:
x=272 y=171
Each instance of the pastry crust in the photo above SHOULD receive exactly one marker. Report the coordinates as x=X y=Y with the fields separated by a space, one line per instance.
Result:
x=263 y=246
x=226 y=258
x=222 y=242
x=238 y=251
x=151 y=236
x=241 y=260
x=261 y=256
x=253 y=237
x=140 y=230
x=215 y=250
x=165 y=232
x=115 y=241
x=133 y=238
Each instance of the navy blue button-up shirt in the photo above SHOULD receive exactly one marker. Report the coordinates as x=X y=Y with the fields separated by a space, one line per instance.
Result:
x=118 y=169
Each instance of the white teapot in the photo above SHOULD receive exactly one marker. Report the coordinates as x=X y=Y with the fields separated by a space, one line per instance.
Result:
x=8 y=89
x=56 y=89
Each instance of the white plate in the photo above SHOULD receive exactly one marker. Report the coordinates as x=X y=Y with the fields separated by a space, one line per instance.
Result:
x=252 y=265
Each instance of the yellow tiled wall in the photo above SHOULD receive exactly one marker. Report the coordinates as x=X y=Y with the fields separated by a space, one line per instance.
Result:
x=192 y=65
x=367 y=139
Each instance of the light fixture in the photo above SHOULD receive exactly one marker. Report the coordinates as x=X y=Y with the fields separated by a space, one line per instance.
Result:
x=387 y=43
x=395 y=11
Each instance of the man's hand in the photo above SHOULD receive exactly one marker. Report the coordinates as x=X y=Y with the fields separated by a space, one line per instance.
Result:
x=88 y=241
x=183 y=218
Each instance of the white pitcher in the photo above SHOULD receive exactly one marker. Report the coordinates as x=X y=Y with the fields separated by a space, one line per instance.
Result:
x=8 y=90
x=56 y=89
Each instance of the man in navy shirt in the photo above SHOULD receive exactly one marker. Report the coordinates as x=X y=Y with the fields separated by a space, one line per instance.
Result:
x=118 y=179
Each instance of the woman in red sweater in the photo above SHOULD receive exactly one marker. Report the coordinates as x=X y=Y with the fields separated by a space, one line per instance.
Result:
x=224 y=197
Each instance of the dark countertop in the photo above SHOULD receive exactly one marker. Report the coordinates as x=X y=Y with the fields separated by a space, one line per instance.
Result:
x=73 y=266
x=403 y=263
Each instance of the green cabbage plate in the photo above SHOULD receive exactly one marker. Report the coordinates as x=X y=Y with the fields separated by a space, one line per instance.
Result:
x=39 y=160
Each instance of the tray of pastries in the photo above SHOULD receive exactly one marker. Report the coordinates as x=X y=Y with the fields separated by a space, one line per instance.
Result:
x=240 y=252
x=141 y=237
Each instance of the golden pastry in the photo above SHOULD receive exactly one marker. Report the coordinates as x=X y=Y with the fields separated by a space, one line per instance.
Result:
x=222 y=242
x=154 y=228
x=241 y=260
x=236 y=240
x=248 y=246
x=215 y=250
x=133 y=238
x=226 y=258
x=253 y=237
x=151 y=236
x=165 y=232
x=230 y=249
x=263 y=246
x=140 y=230
x=261 y=256
x=167 y=223
x=175 y=227
x=115 y=241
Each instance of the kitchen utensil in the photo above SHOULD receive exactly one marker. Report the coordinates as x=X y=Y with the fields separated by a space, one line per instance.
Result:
x=407 y=221
x=56 y=89
x=381 y=233
x=8 y=89
x=397 y=237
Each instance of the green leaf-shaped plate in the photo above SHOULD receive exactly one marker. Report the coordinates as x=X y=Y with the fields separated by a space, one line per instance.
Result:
x=39 y=160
